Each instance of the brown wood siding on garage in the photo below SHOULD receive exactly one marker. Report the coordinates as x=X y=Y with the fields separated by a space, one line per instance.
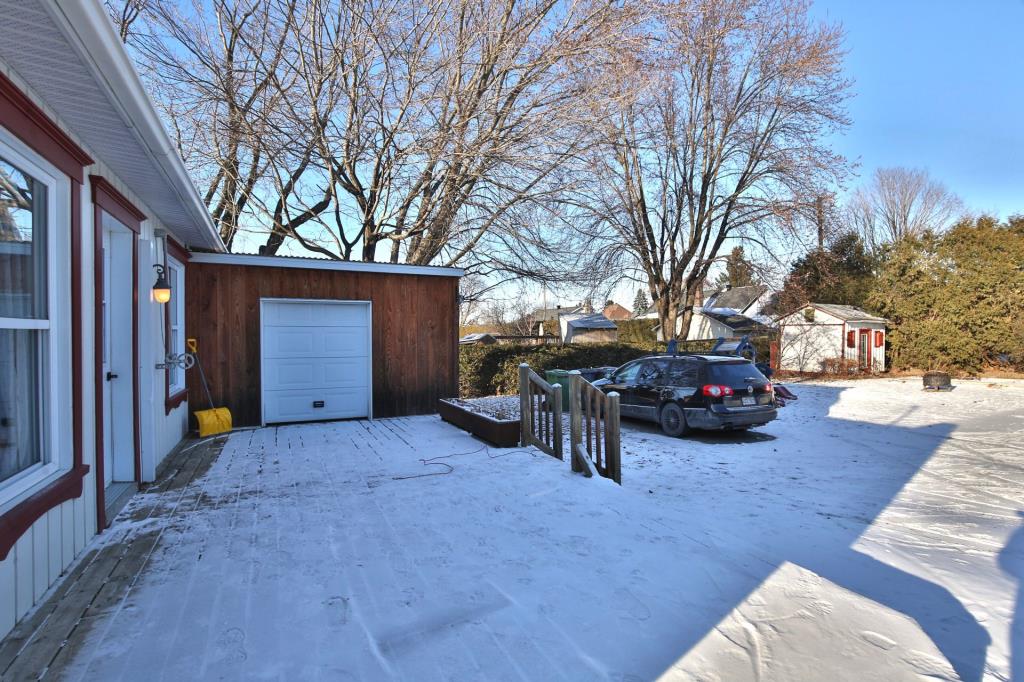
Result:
x=415 y=332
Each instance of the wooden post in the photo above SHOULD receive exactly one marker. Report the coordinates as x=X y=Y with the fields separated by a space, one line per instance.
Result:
x=612 y=443
x=525 y=407
x=575 y=419
x=557 y=397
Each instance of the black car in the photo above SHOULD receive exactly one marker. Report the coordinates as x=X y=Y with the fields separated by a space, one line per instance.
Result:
x=693 y=392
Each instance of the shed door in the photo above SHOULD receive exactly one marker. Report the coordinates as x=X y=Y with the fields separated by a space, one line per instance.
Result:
x=316 y=360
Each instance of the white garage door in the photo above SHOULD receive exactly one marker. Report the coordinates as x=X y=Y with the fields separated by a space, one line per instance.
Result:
x=316 y=360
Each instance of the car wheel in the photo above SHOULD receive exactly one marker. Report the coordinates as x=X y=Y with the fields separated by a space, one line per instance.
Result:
x=673 y=421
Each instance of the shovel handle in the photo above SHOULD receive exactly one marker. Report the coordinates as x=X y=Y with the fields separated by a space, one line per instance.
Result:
x=193 y=347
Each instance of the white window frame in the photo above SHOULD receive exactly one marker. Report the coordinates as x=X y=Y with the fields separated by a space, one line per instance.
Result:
x=176 y=277
x=55 y=414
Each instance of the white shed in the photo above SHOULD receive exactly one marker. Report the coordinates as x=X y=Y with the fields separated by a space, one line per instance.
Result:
x=817 y=336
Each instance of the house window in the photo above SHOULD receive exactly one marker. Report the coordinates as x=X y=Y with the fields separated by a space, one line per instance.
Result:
x=32 y=352
x=879 y=339
x=23 y=317
x=176 y=324
x=851 y=339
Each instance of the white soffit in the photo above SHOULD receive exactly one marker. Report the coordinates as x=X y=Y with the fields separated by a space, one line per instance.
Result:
x=69 y=54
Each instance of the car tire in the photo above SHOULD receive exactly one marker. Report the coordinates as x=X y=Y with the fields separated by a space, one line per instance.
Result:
x=673 y=421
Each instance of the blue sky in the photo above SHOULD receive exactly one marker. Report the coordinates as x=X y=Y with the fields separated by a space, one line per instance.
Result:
x=939 y=85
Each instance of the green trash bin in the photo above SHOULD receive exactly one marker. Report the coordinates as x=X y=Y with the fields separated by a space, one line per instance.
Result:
x=560 y=376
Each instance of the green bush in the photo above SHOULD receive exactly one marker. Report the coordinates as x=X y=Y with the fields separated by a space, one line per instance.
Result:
x=955 y=301
x=637 y=331
x=494 y=370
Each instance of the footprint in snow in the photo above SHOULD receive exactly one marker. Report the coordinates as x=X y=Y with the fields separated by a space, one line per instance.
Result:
x=629 y=606
x=337 y=611
x=881 y=641
x=231 y=645
x=930 y=666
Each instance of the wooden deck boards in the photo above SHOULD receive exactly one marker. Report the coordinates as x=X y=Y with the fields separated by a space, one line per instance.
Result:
x=101 y=578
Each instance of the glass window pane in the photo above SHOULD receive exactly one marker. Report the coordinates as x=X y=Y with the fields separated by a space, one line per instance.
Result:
x=22 y=244
x=20 y=445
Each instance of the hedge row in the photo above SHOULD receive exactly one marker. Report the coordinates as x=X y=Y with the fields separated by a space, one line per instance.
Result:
x=494 y=369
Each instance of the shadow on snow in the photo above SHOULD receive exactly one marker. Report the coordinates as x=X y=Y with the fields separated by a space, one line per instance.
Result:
x=822 y=542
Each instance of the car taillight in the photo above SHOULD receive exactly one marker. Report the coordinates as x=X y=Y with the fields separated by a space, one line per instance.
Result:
x=768 y=388
x=716 y=391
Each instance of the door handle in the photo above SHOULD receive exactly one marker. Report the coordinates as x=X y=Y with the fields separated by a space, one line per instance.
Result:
x=111 y=375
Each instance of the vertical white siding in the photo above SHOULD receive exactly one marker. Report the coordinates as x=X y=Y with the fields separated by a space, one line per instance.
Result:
x=44 y=552
x=35 y=562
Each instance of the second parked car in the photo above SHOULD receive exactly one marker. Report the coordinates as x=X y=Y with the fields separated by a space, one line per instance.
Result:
x=693 y=392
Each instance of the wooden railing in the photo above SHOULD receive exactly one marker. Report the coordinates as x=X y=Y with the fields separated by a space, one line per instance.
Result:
x=540 y=412
x=594 y=442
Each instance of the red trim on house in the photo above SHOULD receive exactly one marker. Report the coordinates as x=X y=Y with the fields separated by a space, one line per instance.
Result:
x=115 y=203
x=177 y=251
x=106 y=198
x=842 y=344
x=20 y=518
x=864 y=337
x=171 y=402
x=21 y=116
x=29 y=123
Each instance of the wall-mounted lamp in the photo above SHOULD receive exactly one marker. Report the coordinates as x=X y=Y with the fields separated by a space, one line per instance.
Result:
x=162 y=289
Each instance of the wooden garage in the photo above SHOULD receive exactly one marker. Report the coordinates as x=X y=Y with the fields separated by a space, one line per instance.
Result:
x=299 y=339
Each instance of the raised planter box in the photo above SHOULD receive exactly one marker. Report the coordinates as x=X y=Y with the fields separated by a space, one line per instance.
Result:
x=501 y=432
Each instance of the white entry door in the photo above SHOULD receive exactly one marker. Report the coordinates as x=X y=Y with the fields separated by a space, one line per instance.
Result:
x=118 y=391
x=315 y=360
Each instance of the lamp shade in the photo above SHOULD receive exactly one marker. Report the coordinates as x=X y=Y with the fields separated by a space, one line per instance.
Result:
x=162 y=288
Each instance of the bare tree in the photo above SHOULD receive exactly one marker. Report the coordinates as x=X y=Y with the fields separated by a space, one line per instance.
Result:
x=124 y=13
x=725 y=138
x=899 y=203
x=424 y=132
x=471 y=290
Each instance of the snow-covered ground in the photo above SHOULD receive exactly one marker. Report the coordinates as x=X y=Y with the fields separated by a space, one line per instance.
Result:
x=874 y=531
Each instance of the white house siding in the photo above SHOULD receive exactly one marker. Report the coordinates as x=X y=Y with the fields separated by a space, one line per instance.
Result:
x=45 y=551
x=807 y=346
x=704 y=328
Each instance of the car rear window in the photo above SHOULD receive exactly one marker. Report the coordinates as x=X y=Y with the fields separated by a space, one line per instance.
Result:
x=682 y=373
x=729 y=372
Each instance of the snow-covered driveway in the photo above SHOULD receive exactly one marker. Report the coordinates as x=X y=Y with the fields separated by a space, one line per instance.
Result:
x=872 y=532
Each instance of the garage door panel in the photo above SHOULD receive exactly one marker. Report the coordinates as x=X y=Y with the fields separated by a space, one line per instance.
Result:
x=301 y=404
x=316 y=360
x=312 y=314
x=310 y=373
x=309 y=342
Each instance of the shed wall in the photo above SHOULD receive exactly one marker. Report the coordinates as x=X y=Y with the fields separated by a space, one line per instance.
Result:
x=415 y=332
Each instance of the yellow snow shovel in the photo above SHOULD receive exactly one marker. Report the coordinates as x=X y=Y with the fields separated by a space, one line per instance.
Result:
x=216 y=419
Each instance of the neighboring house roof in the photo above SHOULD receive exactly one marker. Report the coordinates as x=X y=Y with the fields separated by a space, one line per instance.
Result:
x=737 y=298
x=552 y=313
x=77 y=65
x=614 y=311
x=847 y=313
x=736 y=322
x=479 y=338
x=592 y=321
